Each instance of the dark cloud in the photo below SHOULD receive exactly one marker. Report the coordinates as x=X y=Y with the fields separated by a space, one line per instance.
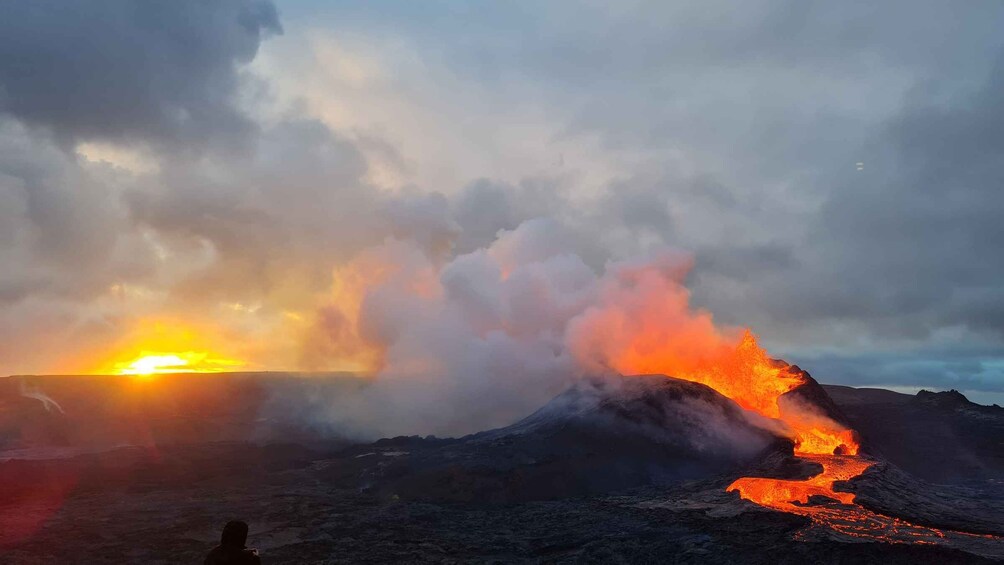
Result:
x=125 y=69
x=910 y=245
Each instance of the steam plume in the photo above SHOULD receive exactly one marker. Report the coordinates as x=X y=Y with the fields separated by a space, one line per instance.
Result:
x=485 y=338
x=47 y=402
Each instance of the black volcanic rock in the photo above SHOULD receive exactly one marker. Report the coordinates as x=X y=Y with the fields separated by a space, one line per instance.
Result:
x=393 y=500
x=947 y=399
x=936 y=436
x=810 y=394
x=297 y=516
x=597 y=437
x=888 y=490
x=674 y=413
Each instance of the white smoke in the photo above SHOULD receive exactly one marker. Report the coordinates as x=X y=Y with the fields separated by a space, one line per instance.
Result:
x=47 y=402
x=482 y=339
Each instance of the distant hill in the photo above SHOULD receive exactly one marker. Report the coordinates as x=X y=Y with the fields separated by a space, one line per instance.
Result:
x=937 y=436
x=87 y=412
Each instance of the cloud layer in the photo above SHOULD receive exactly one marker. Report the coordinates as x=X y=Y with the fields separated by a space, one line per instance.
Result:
x=153 y=71
x=214 y=166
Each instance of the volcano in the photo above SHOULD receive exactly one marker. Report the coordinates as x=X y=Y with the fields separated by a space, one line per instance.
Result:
x=600 y=436
x=632 y=468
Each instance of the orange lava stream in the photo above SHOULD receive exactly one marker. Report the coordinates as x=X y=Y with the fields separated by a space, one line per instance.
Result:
x=787 y=495
x=792 y=496
x=644 y=326
x=840 y=513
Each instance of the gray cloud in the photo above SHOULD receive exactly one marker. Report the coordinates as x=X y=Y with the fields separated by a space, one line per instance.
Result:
x=909 y=246
x=292 y=207
x=120 y=69
x=732 y=132
x=62 y=231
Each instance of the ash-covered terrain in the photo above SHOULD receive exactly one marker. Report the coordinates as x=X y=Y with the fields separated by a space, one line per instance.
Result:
x=633 y=469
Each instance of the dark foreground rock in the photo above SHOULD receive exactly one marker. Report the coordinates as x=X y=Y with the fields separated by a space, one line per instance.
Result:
x=634 y=473
x=299 y=516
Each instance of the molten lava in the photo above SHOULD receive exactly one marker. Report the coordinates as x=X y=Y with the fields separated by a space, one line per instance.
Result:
x=642 y=323
x=817 y=499
x=791 y=496
x=747 y=375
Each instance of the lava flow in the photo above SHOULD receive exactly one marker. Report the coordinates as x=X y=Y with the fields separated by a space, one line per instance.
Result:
x=787 y=494
x=815 y=497
x=745 y=373
x=836 y=511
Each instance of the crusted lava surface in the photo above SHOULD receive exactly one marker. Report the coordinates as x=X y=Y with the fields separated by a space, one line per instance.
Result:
x=633 y=470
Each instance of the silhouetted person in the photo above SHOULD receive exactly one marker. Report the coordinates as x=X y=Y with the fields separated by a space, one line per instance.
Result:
x=232 y=549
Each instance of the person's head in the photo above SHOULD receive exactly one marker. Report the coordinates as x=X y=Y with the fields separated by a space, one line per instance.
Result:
x=235 y=534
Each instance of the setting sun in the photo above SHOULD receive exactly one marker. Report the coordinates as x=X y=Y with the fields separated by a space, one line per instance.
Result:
x=150 y=364
x=187 y=362
x=151 y=346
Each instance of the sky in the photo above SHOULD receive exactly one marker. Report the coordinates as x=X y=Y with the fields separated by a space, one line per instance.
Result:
x=224 y=177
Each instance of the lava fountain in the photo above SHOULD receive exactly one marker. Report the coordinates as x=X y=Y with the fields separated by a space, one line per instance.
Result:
x=758 y=383
x=642 y=323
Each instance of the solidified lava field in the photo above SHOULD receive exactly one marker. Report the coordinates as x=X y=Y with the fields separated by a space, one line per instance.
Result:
x=633 y=474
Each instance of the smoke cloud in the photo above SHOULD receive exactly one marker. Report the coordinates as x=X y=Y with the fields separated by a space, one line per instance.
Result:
x=486 y=337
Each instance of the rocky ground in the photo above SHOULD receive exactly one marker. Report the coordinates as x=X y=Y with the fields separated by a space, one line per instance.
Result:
x=300 y=514
x=631 y=474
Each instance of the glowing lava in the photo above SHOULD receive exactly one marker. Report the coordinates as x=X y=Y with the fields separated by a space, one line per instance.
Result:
x=816 y=499
x=642 y=323
x=747 y=375
x=791 y=496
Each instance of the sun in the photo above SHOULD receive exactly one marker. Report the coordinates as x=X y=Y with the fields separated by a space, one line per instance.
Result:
x=151 y=364
x=156 y=363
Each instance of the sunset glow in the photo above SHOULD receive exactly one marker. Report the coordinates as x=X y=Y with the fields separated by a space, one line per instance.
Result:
x=186 y=362
x=150 y=364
